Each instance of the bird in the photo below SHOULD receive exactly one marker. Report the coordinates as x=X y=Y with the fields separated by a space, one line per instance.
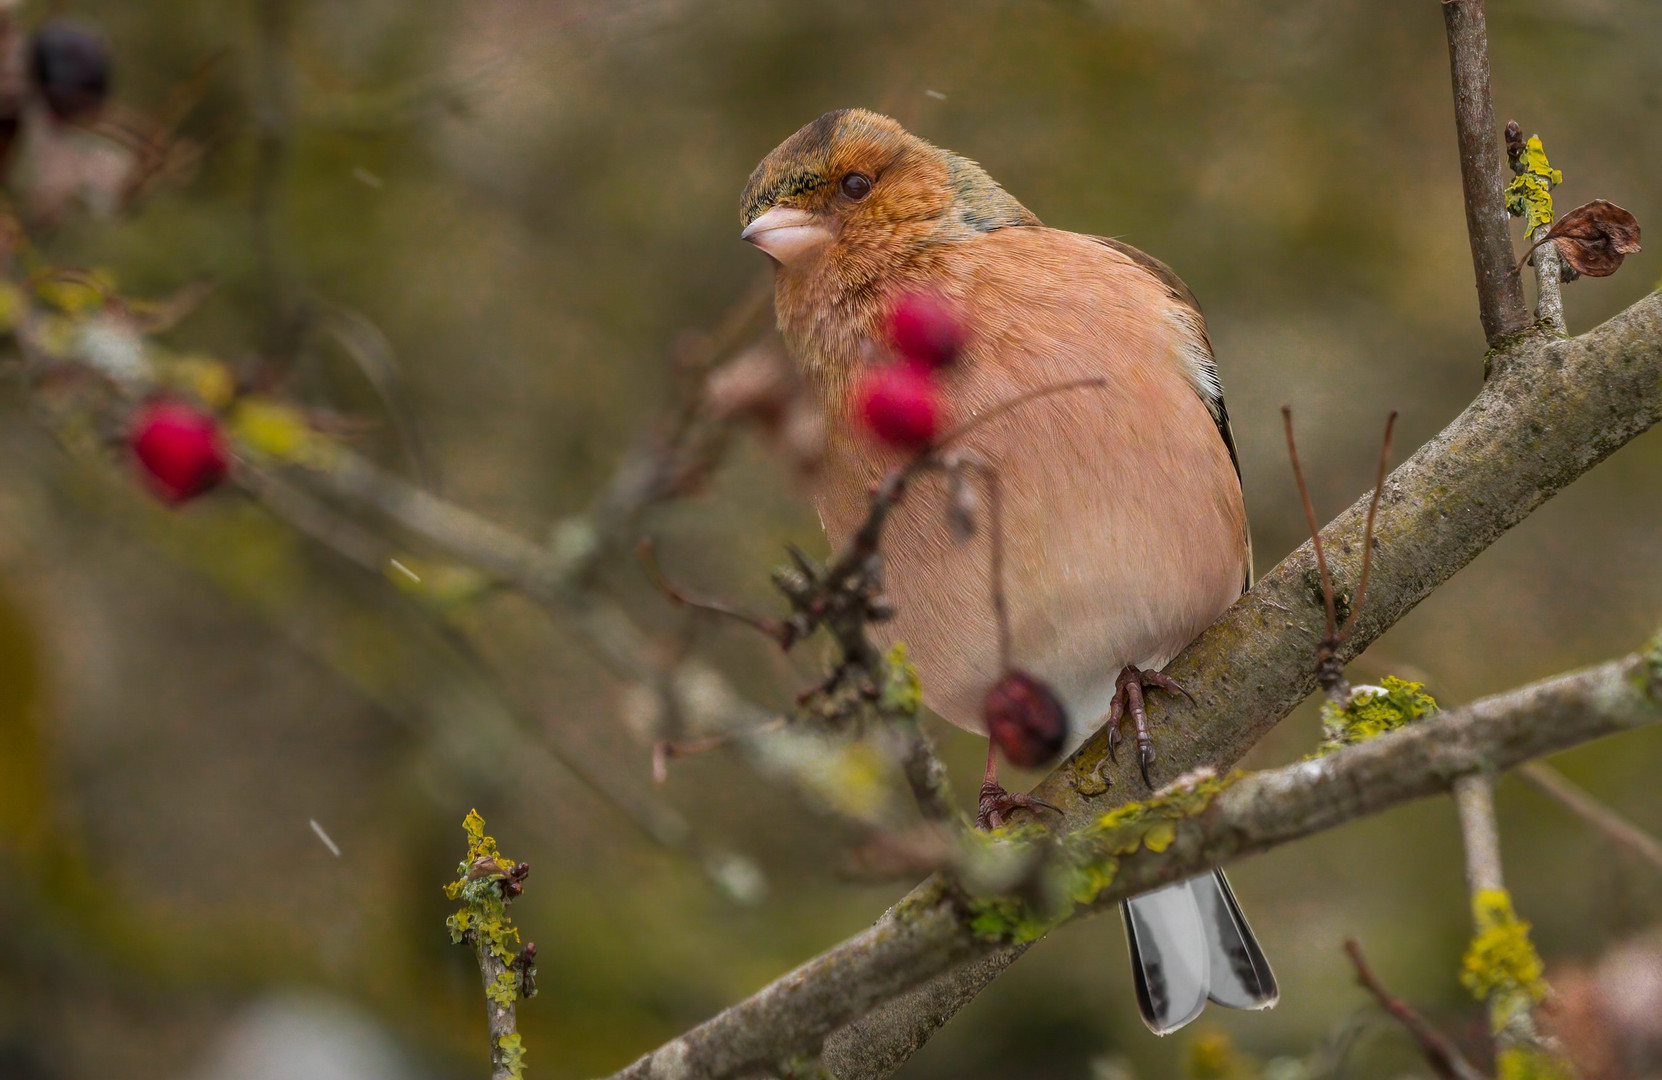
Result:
x=1124 y=522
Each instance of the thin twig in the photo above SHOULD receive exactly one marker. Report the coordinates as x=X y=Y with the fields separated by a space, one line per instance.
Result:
x=1499 y=292
x=1315 y=528
x=1367 y=530
x=1615 y=827
x=1441 y=1054
x=646 y=552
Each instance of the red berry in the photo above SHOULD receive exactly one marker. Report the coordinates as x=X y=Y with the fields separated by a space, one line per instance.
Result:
x=1025 y=719
x=180 y=448
x=900 y=405
x=925 y=328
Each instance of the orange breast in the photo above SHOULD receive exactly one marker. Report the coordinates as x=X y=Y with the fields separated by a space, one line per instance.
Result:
x=1125 y=531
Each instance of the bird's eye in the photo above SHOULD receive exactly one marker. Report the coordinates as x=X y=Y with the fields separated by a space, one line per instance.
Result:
x=856 y=186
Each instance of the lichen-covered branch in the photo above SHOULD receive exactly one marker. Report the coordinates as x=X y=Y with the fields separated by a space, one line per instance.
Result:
x=486 y=883
x=1499 y=292
x=1121 y=855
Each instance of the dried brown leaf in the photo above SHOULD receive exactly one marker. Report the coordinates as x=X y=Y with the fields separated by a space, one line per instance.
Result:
x=1594 y=238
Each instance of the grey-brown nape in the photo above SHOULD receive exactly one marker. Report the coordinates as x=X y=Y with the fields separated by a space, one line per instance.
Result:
x=982 y=204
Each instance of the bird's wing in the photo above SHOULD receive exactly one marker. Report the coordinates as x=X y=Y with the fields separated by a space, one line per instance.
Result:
x=1206 y=383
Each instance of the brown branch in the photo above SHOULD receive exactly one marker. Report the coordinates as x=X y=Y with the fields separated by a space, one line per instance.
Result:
x=1500 y=296
x=929 y=934
x=1442 y=1055
x=1615 y=827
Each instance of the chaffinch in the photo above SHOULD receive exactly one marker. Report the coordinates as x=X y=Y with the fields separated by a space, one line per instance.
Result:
x=1125 y=532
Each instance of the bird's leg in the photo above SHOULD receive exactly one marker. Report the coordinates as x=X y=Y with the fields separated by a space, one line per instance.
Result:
x=1128 y=698
x=996 y=803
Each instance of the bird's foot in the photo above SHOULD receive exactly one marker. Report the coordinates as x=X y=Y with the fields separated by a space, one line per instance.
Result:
x=1128 y=698
x=996 y=804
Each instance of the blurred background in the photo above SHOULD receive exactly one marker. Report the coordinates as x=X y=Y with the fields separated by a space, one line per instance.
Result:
x=528 y=208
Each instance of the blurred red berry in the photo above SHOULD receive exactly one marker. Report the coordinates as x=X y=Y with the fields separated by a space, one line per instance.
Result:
x=900 y=405
x=180 y=448
x=925 y=328
x=1024 y=719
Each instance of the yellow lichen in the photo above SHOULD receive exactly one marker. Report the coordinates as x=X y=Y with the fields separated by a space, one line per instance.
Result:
x=1529 y=196
x=512 y=1052
x=1531 y=1063
x=483 y=915
x=1091 y=858
x=1501 y=958
x=1372 y=711
x=281 y=432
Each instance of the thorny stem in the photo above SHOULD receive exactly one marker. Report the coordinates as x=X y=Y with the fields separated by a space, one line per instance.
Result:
x=1441 y=1054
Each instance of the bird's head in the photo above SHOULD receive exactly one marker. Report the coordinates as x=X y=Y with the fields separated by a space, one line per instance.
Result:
x=855 y=191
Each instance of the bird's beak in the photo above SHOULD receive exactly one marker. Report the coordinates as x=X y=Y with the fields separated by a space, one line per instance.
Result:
x=787 y=234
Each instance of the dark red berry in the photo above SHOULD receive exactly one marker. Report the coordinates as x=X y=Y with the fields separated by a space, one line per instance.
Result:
x=181 y=449
x=70 y=67
x=1025 y=719
x=925 y=328
x=900 y=405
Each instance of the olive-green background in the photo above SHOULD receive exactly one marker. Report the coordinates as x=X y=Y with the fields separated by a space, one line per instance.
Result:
x=535 y=201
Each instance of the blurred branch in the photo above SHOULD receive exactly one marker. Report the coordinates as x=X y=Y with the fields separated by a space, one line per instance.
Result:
x=1479 y=833
x=931 y=931
x=1501 y=966
x=1499 y=292
x=1443 y=1057
x=1615 y=828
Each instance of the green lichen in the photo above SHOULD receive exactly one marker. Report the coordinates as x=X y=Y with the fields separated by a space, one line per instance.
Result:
x=1500 y=959
x=1529 y=196
x=511 y=1051
x=1372 y=711
x=902 y=690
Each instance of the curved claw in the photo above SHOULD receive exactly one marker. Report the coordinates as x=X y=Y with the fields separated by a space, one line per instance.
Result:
x=996 y=803
x=1145 y=757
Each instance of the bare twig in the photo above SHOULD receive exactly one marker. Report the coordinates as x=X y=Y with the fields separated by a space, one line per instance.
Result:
x=1367 y=529
x=1615 y=827
x=1315 y=529
x=1442 y=1055
x=1499 y=293
x=1549 y=278
x=647 y=552
x=1475 y=797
